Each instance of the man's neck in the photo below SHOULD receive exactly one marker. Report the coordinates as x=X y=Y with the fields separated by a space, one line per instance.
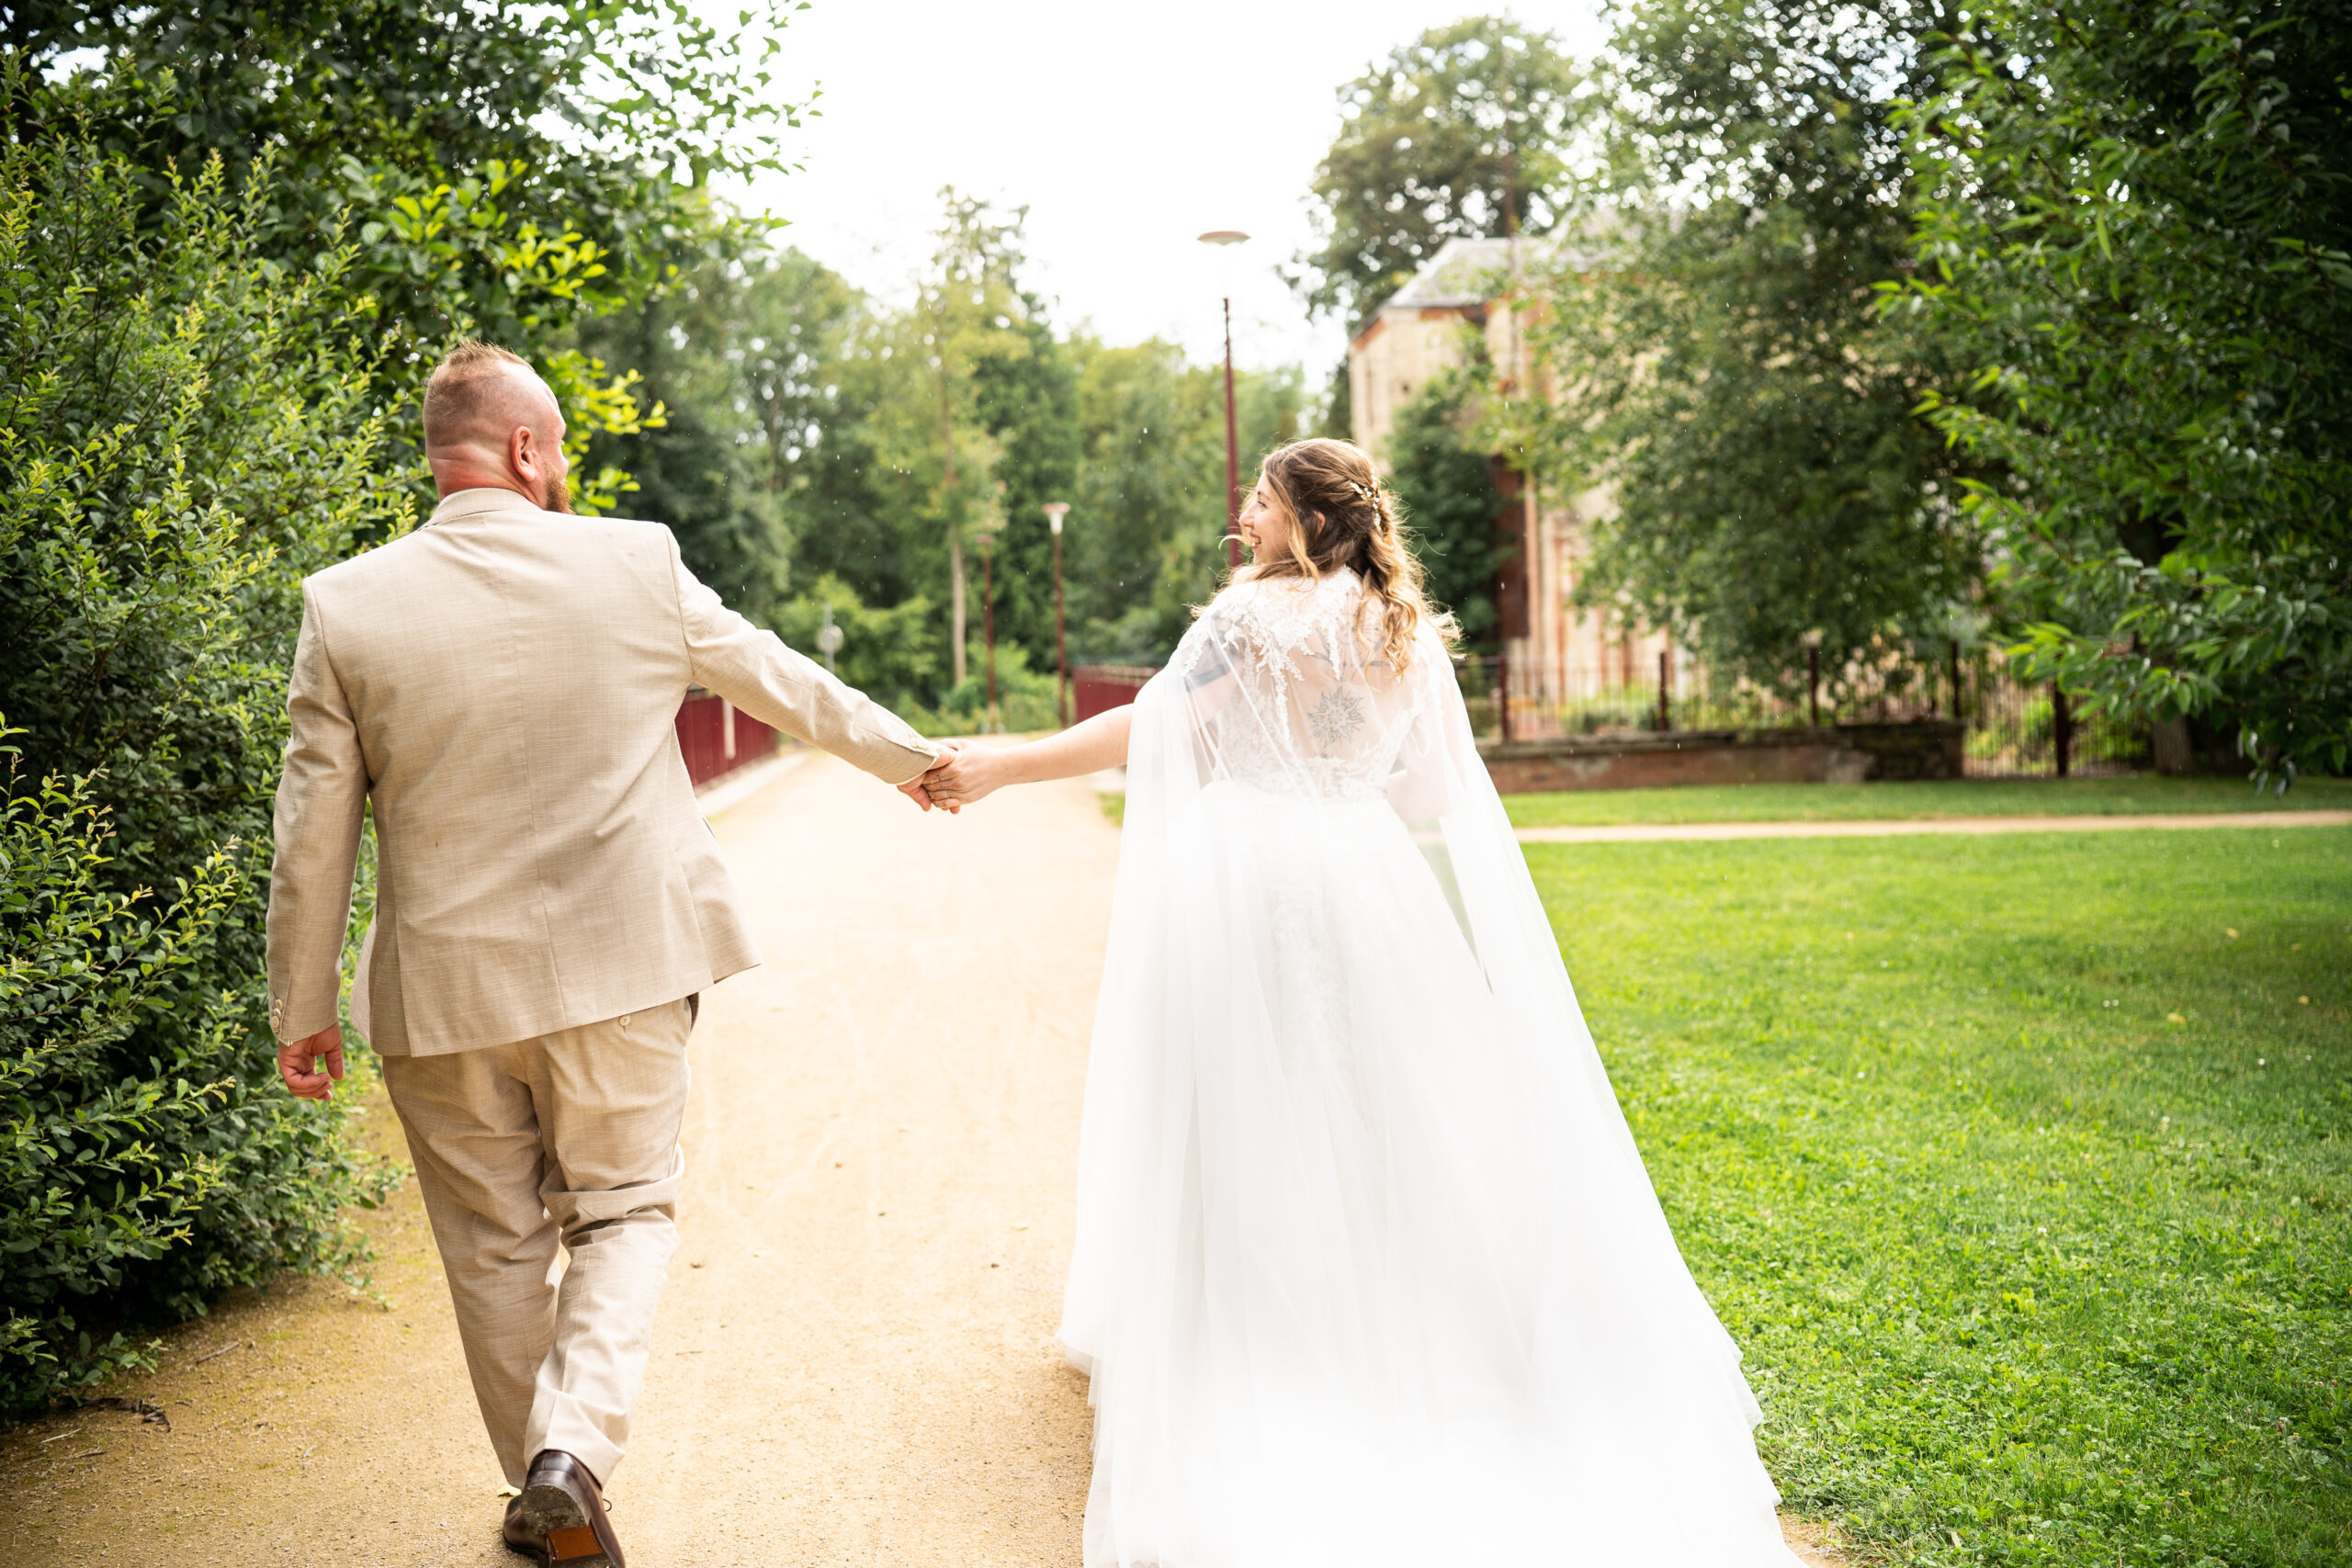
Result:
x=450 y=477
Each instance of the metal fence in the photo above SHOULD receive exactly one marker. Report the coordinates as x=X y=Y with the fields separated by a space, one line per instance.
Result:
x=2015 y=730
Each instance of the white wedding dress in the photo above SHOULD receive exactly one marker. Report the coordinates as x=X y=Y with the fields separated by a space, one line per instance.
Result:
x=1369 y=1273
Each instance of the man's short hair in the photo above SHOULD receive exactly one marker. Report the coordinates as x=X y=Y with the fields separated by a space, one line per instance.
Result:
x=455 y=397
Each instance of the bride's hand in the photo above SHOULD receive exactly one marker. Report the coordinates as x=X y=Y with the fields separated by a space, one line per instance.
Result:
x=973 y=774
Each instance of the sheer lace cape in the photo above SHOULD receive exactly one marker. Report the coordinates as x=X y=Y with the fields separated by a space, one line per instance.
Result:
x=1368 y=1268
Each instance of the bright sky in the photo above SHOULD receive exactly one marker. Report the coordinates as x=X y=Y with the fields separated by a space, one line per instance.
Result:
x=1126 y=129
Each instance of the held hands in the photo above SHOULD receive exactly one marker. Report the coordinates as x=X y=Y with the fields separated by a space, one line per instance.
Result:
x=298 y=1064
x=966 y=775
x=917 y=789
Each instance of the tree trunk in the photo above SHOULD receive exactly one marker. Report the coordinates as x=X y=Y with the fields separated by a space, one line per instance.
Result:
x=954 y=512
x=2173 y=752
x=956 y=601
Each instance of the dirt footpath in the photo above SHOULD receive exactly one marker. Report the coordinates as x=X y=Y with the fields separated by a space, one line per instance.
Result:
x=853 y=1363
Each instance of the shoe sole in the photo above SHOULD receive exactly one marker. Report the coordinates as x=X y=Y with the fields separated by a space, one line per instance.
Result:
x=553 y=1514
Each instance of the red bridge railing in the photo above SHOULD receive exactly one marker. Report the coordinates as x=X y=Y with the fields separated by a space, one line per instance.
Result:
x=1098 y=688
x=715 y=738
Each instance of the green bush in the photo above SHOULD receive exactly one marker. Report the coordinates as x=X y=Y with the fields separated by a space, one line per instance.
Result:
x=887 y=651
x=1026 y=701
x=186 y=429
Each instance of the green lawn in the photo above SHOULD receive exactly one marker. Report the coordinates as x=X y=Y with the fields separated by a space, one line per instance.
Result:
x=2027 y=1269
x=1966 y=798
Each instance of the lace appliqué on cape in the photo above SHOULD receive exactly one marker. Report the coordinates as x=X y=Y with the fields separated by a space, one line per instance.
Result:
x=1293 y=694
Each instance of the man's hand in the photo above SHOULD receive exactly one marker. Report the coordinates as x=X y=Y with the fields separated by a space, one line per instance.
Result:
x=917 y=789
x=298 y=1064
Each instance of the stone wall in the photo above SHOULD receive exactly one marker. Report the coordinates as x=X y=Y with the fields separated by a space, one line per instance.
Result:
x=1844 y=753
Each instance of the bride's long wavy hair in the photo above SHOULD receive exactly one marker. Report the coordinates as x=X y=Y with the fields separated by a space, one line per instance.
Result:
x=1342 y=515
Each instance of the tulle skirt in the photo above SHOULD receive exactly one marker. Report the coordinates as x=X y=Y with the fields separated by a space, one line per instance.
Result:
x=1368 y=1272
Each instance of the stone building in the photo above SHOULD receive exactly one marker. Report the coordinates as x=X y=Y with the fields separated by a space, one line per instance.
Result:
x=1558 y=659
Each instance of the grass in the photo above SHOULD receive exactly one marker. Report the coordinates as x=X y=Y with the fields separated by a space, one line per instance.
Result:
x=2022 y=1180
x=1963 y=797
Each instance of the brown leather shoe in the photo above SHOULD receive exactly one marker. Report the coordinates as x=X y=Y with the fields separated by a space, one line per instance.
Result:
x=561 y=1516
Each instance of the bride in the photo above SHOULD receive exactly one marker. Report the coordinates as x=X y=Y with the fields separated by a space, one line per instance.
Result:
x=1368 y=1274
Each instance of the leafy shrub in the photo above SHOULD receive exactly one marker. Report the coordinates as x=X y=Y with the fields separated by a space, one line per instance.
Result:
x=87 y=1169
x=186 y=429
x=2140 y=228
x=1025 y=697
x=887 y=650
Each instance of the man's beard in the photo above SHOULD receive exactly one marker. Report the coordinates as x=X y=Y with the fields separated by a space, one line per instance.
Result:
x=554 y=495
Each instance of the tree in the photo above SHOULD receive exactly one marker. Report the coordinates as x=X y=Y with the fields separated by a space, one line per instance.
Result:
x=503 y=171
x=1445 y=481
x=2137 y=226
x=707 y=471
x=1147 y=532
x=186 y=429
x=1028 y=402
x=936 y=458
x=1151 y=495
x=1460 y=132
x=1713 y=346
x=787 y=382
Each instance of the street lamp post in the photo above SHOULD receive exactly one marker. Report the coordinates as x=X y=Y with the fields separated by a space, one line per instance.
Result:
x=1222 y=237
x=1055 y=511
x=987 y=545
x=829 y=640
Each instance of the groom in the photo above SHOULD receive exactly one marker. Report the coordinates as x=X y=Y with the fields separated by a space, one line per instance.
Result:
x=500 y=687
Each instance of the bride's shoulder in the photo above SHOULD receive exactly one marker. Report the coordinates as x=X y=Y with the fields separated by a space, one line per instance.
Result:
x=1287 y=598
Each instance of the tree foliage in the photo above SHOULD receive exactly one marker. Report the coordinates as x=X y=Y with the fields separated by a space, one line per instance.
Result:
x=1462 y=133
x=704 y=349
x=1444 y=478
x=2137 y=230
x=185 y=430
x=783 y=380
x=1717 y=353
x=501 y=170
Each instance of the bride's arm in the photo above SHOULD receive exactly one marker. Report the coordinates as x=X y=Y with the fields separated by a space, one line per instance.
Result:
x=977 y=771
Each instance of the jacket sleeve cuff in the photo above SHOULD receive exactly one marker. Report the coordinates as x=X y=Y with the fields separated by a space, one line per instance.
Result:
x=290 y=1021
x=929 y=761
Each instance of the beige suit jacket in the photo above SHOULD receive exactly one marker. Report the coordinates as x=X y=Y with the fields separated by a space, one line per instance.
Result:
x=503 y=686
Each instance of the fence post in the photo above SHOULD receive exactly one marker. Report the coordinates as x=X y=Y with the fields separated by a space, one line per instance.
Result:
x=1956 y=711
x=1664 y=690
x=1502 y=691
x=2062 y=728
x=1812 y=683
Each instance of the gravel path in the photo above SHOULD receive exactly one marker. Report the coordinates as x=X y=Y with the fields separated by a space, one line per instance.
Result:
x=853 y=1362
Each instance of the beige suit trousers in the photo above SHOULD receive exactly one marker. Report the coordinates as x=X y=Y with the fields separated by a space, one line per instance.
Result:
x=569 y=1141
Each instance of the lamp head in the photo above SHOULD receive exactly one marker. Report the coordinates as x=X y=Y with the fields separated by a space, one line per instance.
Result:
x=1055 y=511
x=1223 y=237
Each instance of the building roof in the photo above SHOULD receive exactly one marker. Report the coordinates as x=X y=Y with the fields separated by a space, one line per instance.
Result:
x=1465 y=272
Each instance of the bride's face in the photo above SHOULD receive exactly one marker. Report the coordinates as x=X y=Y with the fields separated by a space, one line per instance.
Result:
x=1264 y=527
